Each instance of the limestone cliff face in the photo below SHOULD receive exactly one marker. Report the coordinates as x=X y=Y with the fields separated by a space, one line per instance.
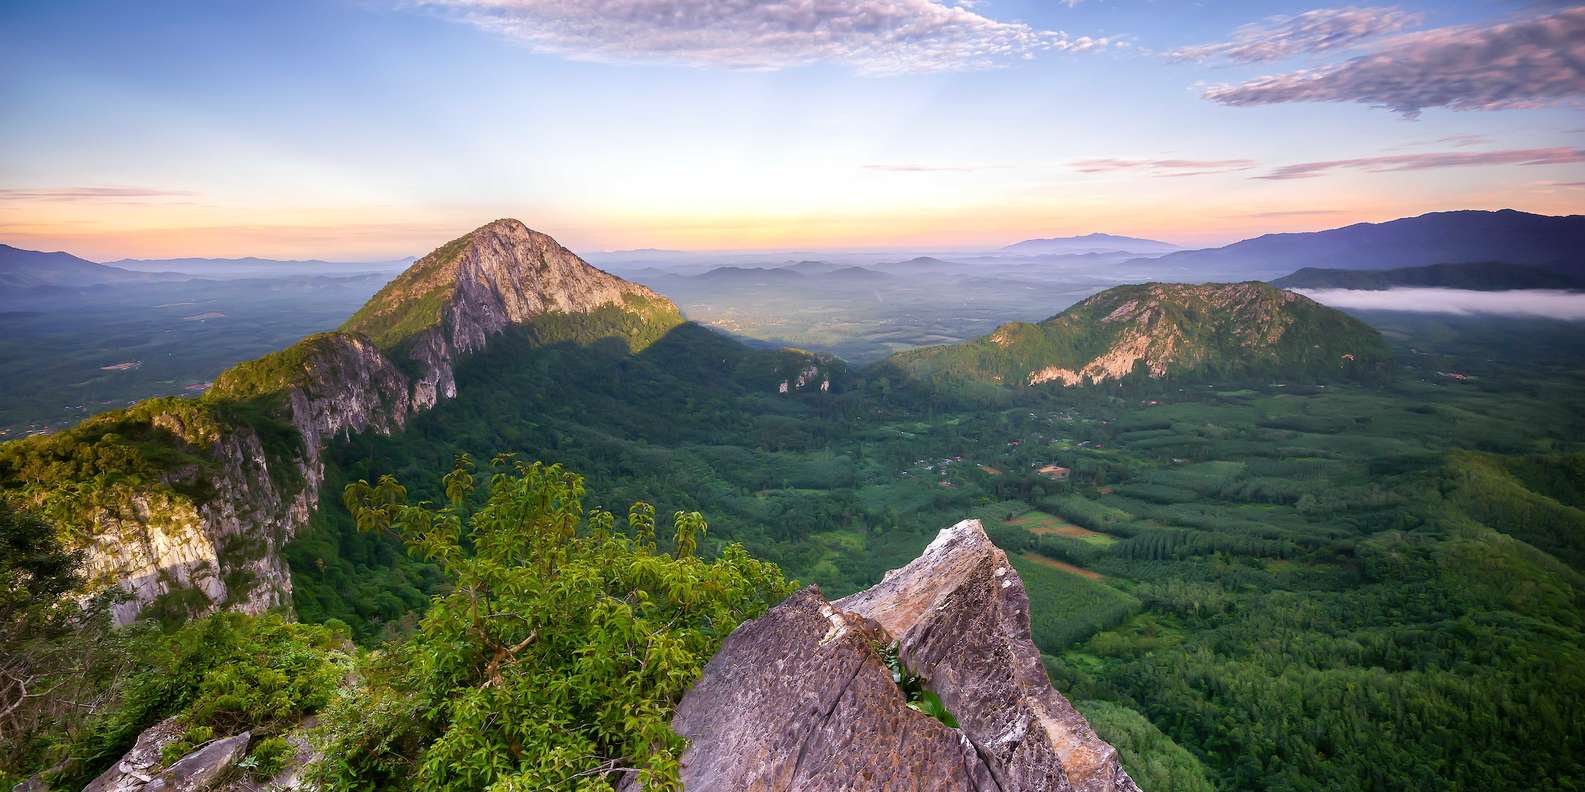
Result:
x=802 y=698
x=160 y=544
x=226 y=545
x=207 y=533
x=347 y=386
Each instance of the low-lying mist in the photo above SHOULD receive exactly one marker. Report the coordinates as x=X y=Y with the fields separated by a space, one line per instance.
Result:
x=1544 y=303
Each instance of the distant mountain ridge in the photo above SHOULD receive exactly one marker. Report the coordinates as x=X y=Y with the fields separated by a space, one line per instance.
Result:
x=1475 y=276
x=916 y=264
x=32 y=269
x=1162 y=330
x=252 y=266
x=809 y=267
x=1508 y=236
x=766 y=276
x=851 y=274
x=1091 y=243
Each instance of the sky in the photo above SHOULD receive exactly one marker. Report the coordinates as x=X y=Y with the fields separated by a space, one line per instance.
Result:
x=375 y=129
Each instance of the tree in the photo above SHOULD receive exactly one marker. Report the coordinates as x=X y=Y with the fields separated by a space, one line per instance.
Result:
x=61 y=662
x=556 y=660
x=36 y=574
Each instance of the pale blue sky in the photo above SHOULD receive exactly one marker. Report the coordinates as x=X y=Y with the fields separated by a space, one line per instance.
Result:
x=349 y=129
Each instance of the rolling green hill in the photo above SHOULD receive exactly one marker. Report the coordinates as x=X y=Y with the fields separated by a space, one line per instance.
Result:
x=1161 y=330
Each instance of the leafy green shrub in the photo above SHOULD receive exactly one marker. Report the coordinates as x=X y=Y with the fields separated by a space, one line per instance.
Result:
x=560 y=653
x=192 y=738
x=268 y=758
x=913 y=687
x=60 y=657
x=226 y=673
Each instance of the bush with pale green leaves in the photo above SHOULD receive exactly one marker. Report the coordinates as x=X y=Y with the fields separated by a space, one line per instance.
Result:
x=557 y=658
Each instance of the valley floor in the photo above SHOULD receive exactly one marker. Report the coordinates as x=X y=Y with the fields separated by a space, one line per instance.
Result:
x=1246 y=585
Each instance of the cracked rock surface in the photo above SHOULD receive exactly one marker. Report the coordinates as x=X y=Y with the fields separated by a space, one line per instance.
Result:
x=801 y=698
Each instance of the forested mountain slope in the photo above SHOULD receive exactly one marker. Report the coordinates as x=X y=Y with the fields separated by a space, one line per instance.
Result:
x=186 y=502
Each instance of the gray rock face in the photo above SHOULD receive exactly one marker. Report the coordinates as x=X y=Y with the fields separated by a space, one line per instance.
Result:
x=801 y=699
x=961 y=616
x=202 y=768
x=291 y=777
x=138 y=769
x=160 y=546
x=139 y=765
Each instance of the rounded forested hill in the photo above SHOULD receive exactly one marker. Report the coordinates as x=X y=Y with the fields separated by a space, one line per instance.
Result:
x=1164 y=330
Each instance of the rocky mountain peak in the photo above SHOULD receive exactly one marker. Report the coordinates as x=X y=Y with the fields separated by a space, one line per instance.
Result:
x=450 y=302
x=500 y=273
x=533 y=274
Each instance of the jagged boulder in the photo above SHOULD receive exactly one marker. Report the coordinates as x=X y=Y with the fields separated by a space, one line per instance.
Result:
x=202 y=768
x=802 y=698
x=140 y=764
x=961 y=617
x=138 y=770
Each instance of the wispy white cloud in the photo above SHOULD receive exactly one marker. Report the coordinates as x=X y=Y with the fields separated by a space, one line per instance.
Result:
x=1312 y=31
x=1457 y=141
x=875 y=37
x=1295 y=213
x=1428 y=161
x=1462 y=141
x=87 y=193
x=1162 y=167
x=1527 y=302
x=1528 y=63
x=917 y=168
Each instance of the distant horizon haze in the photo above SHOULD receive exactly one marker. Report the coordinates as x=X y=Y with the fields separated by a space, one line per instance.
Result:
x=358 y=130
x=793 y=252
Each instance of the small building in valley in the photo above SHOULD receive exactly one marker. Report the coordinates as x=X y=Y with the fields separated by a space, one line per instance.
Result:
x=1055 y=472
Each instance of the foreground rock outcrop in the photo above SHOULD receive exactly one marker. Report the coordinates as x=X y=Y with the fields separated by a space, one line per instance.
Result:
x=803 y=698
x=140 y=771
x=215 y=766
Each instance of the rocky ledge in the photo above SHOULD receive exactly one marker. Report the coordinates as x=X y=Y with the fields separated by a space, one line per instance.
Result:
x=803 y=698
